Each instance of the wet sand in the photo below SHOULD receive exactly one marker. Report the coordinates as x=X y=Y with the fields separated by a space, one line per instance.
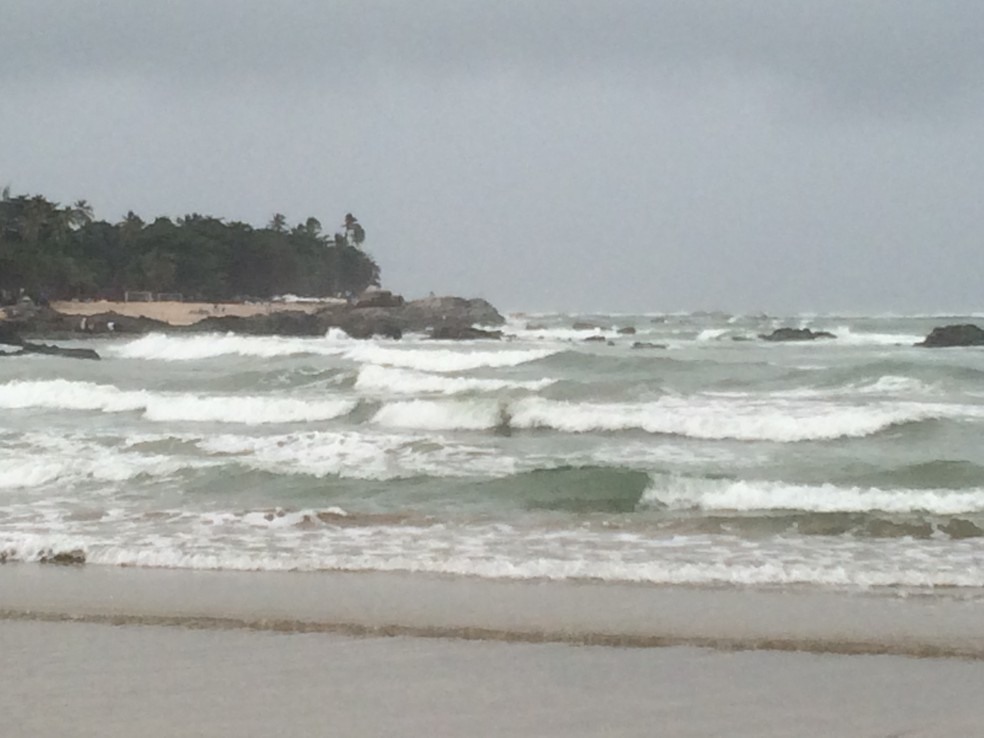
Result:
x=186 y=313
x=114 y=652
x=82 y=679
x=509 y=611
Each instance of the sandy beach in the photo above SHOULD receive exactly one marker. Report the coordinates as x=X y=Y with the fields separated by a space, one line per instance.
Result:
x=186 y=313
x=96 y=651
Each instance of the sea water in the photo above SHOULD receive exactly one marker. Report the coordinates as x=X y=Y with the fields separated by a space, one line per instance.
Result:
x=704 y=457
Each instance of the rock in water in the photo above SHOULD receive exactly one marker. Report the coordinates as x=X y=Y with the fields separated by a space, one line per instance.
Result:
x=795 y=334
x=954 y=335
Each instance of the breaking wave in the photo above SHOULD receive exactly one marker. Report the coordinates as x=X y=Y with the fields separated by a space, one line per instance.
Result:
x=60 y=394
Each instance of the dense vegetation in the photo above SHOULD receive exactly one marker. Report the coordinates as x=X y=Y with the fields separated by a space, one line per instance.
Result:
x=62 y=252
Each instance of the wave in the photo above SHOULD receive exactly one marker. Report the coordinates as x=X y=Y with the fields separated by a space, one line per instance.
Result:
x=40 y=460
x=161 y=347
x=713 y=419
x=442 y=360
x=755 y=495
x=306 y=543
x=579 y=489
x=706 y=418
x=848 y=337
x=61 y=394
x=359 y=455
x=375 y=379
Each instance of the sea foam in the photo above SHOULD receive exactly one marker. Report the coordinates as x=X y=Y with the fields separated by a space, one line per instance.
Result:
x=375 y=379
x=442 y=360
x=749 y=495
x=160 y=347
x=60 y=394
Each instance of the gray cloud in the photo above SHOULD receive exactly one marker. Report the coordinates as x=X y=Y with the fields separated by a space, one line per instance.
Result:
x=621 y=155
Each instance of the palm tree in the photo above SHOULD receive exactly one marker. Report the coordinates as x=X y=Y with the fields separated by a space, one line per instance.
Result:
x=79 y=214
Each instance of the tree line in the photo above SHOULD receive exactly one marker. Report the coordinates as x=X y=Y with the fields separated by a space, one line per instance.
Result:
x=62 y=252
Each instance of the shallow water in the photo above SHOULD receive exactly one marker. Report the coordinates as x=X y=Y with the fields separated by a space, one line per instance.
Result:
x=849 y=464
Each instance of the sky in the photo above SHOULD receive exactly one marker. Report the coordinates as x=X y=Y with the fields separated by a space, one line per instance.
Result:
x=617 y=155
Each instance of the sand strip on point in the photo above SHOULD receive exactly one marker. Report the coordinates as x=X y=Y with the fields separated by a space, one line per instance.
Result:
x=186 y=313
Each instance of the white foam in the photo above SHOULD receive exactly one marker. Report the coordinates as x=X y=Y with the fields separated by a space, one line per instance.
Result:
x=360 y=455
x=43 y=460
x=712 y=334
x=62 y=394
x=162 y=406
x=506 y=553
x=248 y=410
x=744 y=495
x=442 y=360
x=160 y=347
x=702 y=417
x=374 y=379
x=746 y=420
x=847 y=337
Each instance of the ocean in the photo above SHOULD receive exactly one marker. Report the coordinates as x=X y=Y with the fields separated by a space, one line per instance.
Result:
x=710 y=459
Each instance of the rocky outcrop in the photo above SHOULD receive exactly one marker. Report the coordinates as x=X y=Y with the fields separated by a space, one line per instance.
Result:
x=954 y=335
x=108 y=323
x=795 y=334
x=379 y=299
x=74 y=557
x=378 y=313
x=68 y=353
x=10 y=336
x=364 y=322
x=419 y=315
x=281 y=323
x=459 y=332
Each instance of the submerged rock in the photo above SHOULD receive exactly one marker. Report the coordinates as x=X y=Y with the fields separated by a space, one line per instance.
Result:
x=63 y=558
x=954 y=335
x=459 y=332
x=795 y=334
x=960 y=528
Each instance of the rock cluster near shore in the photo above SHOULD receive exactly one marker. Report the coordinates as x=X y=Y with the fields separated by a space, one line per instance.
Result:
x=378 y=314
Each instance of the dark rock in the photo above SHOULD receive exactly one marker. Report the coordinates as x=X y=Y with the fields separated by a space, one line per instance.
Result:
x=535 y=327
x=795 y=334
x=595 y=339
x=880 y=528
x=458 y=332
x=281 y=323
x=64 y=558
x=379 y=298
x=583 y=325
x=363 y=322
x=419 y=315
x=111 y=322
x=648 y=345
x=68 y=353
x=959 y=528
x=9 y=336
x=954 y=335
x=627 y=331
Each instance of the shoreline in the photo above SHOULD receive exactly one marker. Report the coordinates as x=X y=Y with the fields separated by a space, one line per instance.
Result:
x=411 y=604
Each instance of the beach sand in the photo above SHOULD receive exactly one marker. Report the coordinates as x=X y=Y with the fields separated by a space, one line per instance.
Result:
x=186 y=313
x=114 y=652
x=80 y=680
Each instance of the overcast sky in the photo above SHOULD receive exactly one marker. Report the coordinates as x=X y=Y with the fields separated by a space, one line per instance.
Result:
x=545 y=154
